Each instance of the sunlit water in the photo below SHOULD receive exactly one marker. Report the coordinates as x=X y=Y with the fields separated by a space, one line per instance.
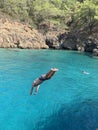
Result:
x=69 y=101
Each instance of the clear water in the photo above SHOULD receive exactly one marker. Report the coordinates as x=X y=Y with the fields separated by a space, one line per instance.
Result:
x=69 y=101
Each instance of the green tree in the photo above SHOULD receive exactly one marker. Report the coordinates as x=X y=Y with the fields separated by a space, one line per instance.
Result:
x=2 y=3
x=44 y=10
x=15 y=8
x=86 y=15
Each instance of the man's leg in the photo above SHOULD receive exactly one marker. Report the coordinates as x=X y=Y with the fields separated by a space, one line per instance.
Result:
x=37 y=87
x=32 y=89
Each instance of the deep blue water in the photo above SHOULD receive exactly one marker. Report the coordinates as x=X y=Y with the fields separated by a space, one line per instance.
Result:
x=69 y=101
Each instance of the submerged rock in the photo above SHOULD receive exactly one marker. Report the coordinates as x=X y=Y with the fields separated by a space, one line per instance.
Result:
x=95 y=52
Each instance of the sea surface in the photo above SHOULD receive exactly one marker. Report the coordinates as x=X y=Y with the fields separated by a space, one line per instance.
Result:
x=68 y=101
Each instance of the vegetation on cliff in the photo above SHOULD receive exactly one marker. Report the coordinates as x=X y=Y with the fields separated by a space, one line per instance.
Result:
x=72 y=14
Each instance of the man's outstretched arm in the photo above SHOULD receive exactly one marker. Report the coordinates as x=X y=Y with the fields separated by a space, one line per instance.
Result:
x=51 y=73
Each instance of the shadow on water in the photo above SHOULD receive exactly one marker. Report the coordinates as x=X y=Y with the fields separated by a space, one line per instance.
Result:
x=78 y=116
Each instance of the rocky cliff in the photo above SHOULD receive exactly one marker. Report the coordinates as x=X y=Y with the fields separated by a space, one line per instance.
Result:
x=14 y=34
x=17 y=35
x=76 y=40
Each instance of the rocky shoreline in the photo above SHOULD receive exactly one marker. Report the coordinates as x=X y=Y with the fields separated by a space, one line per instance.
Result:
x=14 y=34
x=74 y=41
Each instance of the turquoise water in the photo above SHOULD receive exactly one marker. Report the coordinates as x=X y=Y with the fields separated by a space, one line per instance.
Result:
x=69 y=101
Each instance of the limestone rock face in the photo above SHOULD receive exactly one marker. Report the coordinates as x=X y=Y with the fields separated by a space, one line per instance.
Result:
x=53 y=39
x=80 y=42
x=14 y=34
x=17 y=35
